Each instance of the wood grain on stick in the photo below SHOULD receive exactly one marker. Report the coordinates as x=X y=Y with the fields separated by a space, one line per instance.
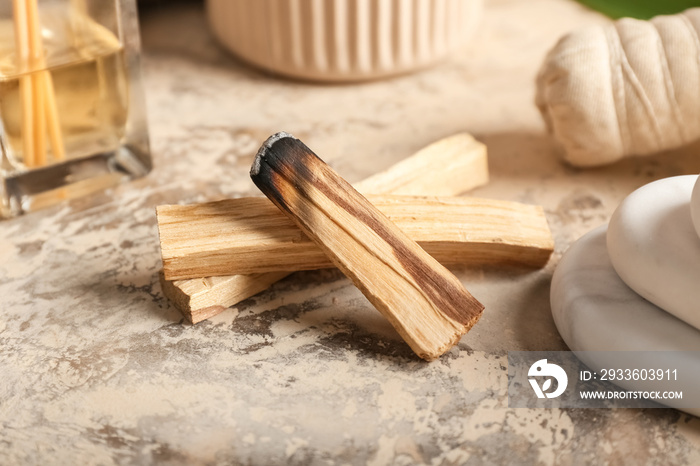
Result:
x=464 y=167
x=201 y=298
x=424 y=302
x=251 y=235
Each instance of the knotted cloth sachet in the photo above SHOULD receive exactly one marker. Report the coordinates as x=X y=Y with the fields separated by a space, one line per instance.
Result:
x=627 y=88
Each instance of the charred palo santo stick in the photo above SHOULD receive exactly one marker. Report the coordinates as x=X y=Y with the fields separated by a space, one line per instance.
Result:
x=424 y=302
x=464 y=166
x=250 y=235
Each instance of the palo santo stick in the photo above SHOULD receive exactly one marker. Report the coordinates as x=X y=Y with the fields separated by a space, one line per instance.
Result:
x=250 y=235
x=463 y=166
x=201 y=298
x=424 y=302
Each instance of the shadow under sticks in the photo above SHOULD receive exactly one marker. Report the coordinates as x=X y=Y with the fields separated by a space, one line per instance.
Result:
x=329 y=324
x=517 y=314
x=522 y=157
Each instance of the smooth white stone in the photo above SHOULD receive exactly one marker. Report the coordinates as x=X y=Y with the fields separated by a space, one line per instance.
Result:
x=595 y=311
x=654 y=248
x=695 y=207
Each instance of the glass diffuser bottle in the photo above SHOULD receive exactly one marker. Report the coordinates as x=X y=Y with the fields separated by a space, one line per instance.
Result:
x=72 y=112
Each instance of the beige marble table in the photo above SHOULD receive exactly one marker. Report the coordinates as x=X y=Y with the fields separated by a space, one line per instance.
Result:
x=96 y=367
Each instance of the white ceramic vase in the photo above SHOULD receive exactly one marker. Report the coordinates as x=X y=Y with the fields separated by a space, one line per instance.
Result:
x=343 y=40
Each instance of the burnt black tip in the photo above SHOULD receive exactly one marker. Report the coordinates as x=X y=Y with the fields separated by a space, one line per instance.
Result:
x=267 y=145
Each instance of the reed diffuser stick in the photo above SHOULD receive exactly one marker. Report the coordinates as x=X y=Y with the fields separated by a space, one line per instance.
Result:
x=25 y=83
x=39 y=120
x=35 y=62
x=40 y=112
x=46 y=88
x=55 y=135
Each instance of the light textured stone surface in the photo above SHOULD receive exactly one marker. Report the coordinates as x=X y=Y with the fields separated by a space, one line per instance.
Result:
x=97 y=367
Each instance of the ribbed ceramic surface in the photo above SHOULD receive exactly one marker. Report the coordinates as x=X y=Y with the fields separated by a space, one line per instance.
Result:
x=343 y=39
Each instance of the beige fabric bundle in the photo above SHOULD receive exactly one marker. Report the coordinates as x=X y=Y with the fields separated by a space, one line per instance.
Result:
x=627 y=88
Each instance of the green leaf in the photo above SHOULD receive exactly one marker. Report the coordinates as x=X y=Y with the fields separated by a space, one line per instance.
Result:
x=642 y=9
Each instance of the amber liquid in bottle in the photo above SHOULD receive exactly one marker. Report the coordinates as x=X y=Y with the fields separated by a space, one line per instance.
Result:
x=90 y=86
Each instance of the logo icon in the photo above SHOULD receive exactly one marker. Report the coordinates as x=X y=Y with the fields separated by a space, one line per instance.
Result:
x=542 y=368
